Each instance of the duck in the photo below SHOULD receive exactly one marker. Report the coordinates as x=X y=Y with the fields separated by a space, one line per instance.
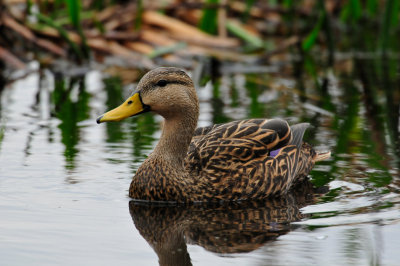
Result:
x=251 y=159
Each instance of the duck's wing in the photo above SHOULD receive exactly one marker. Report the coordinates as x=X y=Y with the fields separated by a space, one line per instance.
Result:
x=251 y=158
x=244 y=140
x=256 y=129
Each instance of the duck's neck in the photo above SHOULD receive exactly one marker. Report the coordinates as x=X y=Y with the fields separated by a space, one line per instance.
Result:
x=175 y=139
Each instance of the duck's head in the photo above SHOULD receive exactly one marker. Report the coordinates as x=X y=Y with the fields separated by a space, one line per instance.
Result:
x=167 y=91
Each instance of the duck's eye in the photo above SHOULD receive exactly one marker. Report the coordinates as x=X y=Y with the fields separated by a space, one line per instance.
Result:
x=130 y=102
x=162 y=83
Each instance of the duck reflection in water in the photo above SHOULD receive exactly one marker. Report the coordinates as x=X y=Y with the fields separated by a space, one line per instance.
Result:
x=224 y=229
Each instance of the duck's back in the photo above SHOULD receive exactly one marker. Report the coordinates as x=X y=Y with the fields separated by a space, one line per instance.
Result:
x=254 y=158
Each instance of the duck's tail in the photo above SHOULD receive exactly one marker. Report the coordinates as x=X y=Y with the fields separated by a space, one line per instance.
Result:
x=298 y=133
x=297 y=139
x=322 y=156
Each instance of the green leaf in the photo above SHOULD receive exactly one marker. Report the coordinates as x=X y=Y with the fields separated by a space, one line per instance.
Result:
x=390 y=19
x=167 y=49
x=288 y=3
x=355 y=9
x=394 y=13
x=139 y=13
x=310 y=40
x=74 y=9
x=29 y=7
x=372 y=7
x=351 y=11
x=244 y=34
x=246 y=13
x=63 y=33
x=209 y=20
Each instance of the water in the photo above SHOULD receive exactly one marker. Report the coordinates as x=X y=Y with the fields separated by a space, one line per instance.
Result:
x=64 y=179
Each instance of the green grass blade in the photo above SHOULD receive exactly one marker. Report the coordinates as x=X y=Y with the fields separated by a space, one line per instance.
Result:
x=310 y=40
x=288 y=3
x=139 y=12
x=29 y=7
x=167 y=49
x=351 y=11
x=390 y=19
x=209 y=20
x=74 y=9
x=394 y=13
x=356 y=9
x=74 y=12
x=63 y=33
x=246 y=13
x=372 y=7
x=244 y=34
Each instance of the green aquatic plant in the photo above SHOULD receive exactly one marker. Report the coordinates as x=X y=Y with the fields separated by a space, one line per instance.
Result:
x=114 y=89
x=167 y=49
x=70 y=112
x=351 y=11
x=2 y=129
x=138 y=15
x=209 y=19
x=311 y=39
x=389 y=24
x=74 y=12
x=244 y=34
x=63 y=33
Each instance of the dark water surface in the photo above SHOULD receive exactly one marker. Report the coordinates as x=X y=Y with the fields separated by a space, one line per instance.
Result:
x=64 y=179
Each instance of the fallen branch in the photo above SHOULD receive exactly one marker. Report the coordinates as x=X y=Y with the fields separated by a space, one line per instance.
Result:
x=11 y=59
x=185 y=32
x=28 y=34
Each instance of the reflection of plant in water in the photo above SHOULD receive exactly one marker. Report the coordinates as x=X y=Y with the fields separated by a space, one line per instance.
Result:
x=225 y=229
x=114 y=89
x=253 y=91
x=70 y=111
x=140 y=129
x=2 y=128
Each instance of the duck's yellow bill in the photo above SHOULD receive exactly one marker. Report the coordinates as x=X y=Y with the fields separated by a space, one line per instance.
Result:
x=132 y=106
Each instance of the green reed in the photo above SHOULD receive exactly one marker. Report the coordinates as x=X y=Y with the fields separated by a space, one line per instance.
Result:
x=209 y=19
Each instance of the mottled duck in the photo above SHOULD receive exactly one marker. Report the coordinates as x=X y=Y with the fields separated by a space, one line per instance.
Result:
x=240 y=160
